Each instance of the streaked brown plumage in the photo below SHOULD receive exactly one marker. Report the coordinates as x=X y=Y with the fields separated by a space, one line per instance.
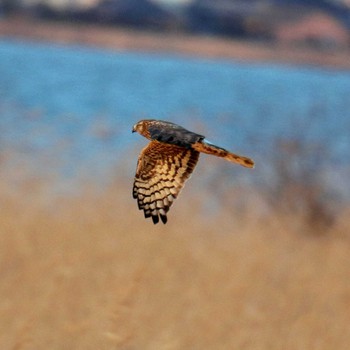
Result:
x=167 y=162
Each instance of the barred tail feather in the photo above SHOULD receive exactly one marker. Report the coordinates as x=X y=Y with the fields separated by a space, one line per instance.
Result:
x=208 y=148
x=241 y=160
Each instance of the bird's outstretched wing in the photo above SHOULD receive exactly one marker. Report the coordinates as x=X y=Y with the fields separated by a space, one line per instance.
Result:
x=162 y=170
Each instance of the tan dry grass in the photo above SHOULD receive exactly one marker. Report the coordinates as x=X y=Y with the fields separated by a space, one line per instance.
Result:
x=91 y=273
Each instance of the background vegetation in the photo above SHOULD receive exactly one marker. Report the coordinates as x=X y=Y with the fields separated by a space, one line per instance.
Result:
x=86 y=271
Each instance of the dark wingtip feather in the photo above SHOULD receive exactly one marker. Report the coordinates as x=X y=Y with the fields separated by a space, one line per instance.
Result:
x=155 y=219
x=164 y=218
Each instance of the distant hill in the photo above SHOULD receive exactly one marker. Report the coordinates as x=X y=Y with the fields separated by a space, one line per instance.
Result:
x=325 y=23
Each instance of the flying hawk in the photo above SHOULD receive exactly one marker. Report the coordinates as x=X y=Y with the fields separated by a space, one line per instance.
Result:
x=167 y=162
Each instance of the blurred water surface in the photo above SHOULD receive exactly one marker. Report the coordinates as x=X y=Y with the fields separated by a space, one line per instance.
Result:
x=70 y=110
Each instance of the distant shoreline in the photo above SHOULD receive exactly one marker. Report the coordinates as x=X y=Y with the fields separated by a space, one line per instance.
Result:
x=190 y=45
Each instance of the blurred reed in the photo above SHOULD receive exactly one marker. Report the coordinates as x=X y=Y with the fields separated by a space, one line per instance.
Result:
x=86 y=271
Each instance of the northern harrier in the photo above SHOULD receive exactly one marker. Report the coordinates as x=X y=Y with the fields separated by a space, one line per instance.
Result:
x=167 y=162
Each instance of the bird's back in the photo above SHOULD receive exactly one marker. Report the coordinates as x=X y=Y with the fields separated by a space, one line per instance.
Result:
x=174 y=134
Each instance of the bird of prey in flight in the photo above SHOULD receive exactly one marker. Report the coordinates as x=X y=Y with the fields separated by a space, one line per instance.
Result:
x=167 y=162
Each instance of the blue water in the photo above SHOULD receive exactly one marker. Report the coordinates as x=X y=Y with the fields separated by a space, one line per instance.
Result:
x=73 y=107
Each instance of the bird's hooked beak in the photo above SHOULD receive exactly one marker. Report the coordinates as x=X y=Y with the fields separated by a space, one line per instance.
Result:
x=133 y=128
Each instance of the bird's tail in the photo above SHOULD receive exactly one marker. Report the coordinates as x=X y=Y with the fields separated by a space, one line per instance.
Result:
x=206 y=147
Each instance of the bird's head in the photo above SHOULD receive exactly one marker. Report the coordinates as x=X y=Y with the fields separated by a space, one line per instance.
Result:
x=142 y=127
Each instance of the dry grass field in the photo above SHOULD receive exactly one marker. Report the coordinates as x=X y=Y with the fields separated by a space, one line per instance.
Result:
x=88 y=272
